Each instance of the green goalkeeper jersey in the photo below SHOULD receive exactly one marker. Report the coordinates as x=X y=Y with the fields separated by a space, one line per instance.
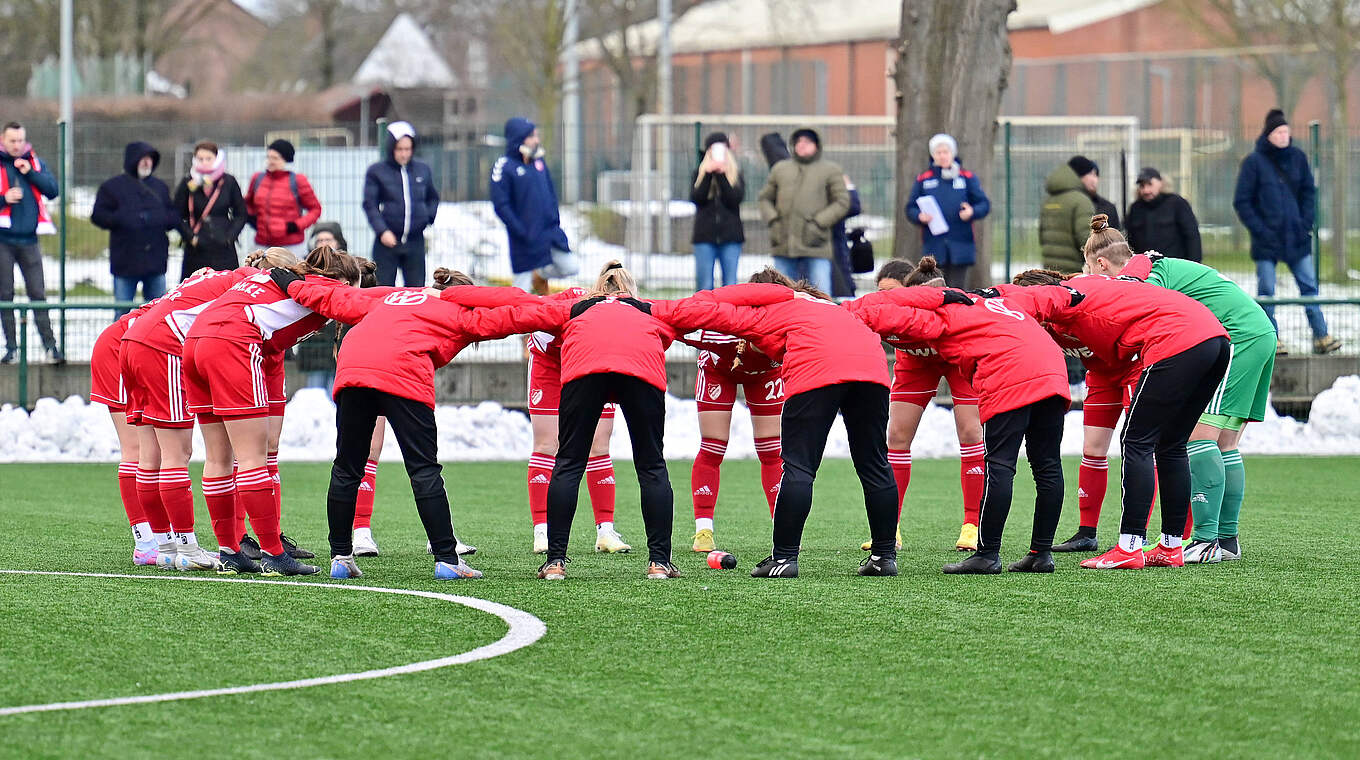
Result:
x=1241 y=316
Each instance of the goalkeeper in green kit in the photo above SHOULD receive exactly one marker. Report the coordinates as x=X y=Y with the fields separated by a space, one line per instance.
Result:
x=1218 y=479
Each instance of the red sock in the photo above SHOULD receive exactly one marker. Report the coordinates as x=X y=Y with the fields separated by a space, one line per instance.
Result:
x=127 y=490
x=1092 y=480
x=771 y=467
x=220 y=495
x=540 y=475
x=973 y=479
x=271 y=463
x=240 y=518
x=706 y=476
x=1189 y=523
x=149 y=494
x=600 y=486
x=363 y=504
x=178 y=497
x=256 y=490
x=900 y=461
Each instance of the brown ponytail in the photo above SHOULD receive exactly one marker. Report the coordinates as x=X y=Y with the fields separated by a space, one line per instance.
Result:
x=269 y=258
x=447 y=278
x=613 y=280
x=773 y=276
x=927 y=272
x=328 y=262
x=1106 y=242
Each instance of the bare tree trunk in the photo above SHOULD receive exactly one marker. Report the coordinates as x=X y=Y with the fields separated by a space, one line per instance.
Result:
x=1341 y=171
x=953 y=62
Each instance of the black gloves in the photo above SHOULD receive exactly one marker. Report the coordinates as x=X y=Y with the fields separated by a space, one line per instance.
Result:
x=284 y=277
x=292 y=228
x=986 y=292
x=1156 y=257
x=954 y=296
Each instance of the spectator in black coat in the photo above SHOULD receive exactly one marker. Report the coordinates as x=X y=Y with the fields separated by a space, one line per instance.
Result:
x=1088 y=172
x=135 y=208
x=842 y=273
x=212 y=212
x=717 y=191
x=1162 y=222
x=400 y=200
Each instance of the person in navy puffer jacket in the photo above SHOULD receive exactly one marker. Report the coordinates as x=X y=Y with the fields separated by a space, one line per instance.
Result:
x=962 y=202
x=523 y=196
x=1275 y=198
x=400 y=200
x=135 y=208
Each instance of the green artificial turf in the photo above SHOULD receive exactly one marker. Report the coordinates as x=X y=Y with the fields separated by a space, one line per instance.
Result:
x=1258 y=658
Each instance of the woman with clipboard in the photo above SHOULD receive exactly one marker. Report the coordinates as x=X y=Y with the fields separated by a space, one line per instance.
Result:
x=944 y=202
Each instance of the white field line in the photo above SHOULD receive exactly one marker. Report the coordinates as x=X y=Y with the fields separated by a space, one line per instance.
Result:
x=525 y=629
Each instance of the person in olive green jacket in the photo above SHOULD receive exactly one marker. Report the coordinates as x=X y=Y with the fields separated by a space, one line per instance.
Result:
x=1064 y=221
x=802 y=200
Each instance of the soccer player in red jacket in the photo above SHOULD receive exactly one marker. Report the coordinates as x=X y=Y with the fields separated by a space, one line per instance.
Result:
x=1183 y=351
x=727 y=362
x=225 y=353
x=545 y=397
x=1020 y=375
x=1109 y=388
x=830 y=363
x=386 y=367
x=917 y=371
x=107 y=388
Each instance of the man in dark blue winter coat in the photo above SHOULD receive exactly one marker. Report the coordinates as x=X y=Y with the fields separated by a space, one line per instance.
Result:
x=1274 y=199
x=24 y=180
x=135 y=208
x=400 y=200
x=523 y=196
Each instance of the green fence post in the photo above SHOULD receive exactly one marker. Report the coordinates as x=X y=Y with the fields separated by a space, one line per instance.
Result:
x=382 y=130
x=698 y=137
x=62 y=147
x=1315 y=140
x=1006 y=142
x=23 y=358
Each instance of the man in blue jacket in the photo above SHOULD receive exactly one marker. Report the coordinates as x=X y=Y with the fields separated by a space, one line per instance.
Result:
x=1274 y=199
x=24 y=180
x=523 y=196
x=400 y=200
x=135 y=208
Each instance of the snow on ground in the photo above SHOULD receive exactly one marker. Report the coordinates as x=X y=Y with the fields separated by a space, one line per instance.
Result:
x=74 y=431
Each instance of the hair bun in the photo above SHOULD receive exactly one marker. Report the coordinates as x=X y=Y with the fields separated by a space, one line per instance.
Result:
x=443 y=276
x=927 y=264
x=1100 y=223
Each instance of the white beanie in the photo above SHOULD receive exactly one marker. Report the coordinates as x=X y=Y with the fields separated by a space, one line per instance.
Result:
x=944 y=139
x=400 y=129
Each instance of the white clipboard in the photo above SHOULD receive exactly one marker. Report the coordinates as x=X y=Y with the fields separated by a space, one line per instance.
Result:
x=928 y=205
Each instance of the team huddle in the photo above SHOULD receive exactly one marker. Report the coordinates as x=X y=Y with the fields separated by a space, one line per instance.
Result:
x=1180 y=351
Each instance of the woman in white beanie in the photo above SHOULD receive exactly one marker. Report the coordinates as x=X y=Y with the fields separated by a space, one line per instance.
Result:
x=961 y=202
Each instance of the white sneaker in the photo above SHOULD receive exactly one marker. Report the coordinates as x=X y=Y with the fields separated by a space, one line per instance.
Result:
x=541 y=539
x=364 y=545
x=165 y=556
x=464 y=550
x=1231 y=549
x=1203 y=553
x=193 y=557
x=610 y=542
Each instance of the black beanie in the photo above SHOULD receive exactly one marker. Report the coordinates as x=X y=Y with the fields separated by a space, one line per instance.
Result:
x=284 y=149
x=714 y=138
x=1083 y=166
x=1274 y=120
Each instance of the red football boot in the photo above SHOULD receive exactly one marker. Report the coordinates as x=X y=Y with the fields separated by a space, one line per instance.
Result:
x=1115 y=559
x=1161 y=556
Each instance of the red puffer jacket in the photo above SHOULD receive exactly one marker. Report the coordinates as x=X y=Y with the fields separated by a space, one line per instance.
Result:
x=400 y=339
x=1007 y=357
x=817 y=342
x=271 y=203
x=1120 y=320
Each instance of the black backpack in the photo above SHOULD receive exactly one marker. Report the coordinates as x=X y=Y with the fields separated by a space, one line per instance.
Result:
x=861 y=251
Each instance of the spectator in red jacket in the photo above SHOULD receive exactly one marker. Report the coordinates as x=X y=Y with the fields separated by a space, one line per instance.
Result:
x=280 y=202
x=831 y=363
x=1019 y=373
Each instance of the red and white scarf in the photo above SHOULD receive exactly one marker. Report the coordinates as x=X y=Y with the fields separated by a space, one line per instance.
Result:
x=45 y=226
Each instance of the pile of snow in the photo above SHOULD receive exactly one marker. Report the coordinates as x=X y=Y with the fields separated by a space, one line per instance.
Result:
x=74 y=431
